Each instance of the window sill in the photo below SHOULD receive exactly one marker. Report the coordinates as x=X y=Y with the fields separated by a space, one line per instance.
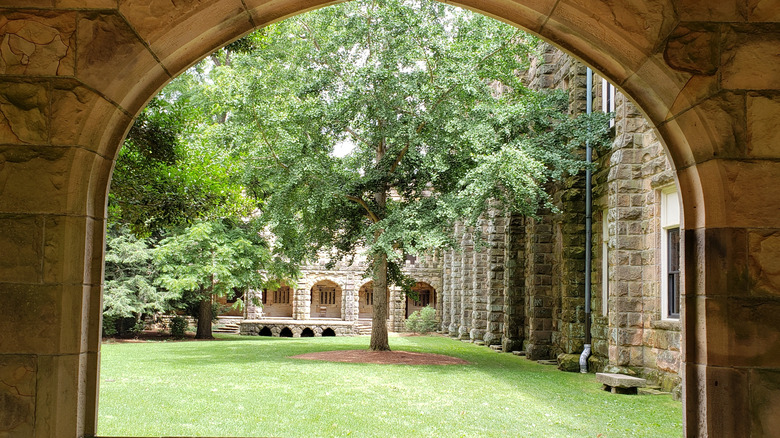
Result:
x=667 y=324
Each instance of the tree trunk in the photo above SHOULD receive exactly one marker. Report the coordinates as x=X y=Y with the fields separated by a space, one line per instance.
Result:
x=379 y=341
x=204 y=319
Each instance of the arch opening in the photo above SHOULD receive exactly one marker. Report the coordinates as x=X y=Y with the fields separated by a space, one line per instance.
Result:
x=633 y=50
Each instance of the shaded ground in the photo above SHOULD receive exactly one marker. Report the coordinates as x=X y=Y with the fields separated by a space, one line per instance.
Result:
x=152 y=335
x=383 y=357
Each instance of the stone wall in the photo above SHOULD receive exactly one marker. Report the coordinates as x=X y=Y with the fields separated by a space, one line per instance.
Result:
x=529 y=280
x=349 y=277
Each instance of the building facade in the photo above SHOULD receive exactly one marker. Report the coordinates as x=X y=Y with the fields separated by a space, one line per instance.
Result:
x=525 y=287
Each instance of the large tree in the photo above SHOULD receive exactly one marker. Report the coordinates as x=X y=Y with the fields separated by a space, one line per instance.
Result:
x=377 y=123
x=213 y=258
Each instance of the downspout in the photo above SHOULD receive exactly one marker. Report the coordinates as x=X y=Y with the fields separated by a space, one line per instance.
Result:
x=588 y=225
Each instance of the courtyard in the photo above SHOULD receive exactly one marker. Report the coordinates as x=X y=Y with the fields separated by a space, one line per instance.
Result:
x=252 y=386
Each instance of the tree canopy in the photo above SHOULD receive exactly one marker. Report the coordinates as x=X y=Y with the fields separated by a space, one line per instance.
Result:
x=377 y=124
x=373 y=125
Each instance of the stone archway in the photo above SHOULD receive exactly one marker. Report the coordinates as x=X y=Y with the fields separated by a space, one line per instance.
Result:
x=426 y=296
x=705 y=74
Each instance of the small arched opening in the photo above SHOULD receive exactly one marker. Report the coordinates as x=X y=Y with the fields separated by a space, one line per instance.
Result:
x=265 y=331
x=326 y=300
x=286 y=333
x=307 y=333
x=277 y=303
x=423 y=294
x=328 y=332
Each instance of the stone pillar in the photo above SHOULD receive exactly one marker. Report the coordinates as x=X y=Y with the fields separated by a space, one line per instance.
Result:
x=445 y=294
x=479 y=289
x=301 y=306
x=350 y=296
x=254 y=311
x=456 y=286
x=495 y=279
x=396 y=310
x=467 y=285
x=569 y=278
x=626 y=324
x=538 y=286
x=514 y=329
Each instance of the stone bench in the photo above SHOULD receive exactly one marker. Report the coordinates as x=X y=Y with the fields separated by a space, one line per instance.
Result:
x=620 y=383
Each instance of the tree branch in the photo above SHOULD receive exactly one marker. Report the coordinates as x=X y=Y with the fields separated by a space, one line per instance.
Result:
x=371 y=215
x=357 y=136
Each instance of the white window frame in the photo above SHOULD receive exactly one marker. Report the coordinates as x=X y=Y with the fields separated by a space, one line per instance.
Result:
x=608 y=99
x=670 y=218
x=605 y=262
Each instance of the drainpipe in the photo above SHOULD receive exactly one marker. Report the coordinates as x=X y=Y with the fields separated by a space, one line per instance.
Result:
x=588 y=226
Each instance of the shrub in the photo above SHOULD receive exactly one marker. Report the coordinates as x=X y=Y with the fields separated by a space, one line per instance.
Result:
x=422 y=321
x=109 y=325
x=178 y=326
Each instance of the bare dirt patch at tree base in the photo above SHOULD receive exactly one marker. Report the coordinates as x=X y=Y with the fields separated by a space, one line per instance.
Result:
x=382 y=357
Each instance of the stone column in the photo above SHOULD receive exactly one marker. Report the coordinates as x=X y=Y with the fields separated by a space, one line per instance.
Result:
x=301 y=305
x=253 y=311
x=467 y=285
x=538 y=284
x=514 y=283
x=445 y=294
x=479 y=290
x=569 y=280
x=456 y=287
x=495 y=279
x=350 y=296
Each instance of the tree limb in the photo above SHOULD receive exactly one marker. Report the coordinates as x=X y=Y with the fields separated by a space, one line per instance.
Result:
x=371 y=215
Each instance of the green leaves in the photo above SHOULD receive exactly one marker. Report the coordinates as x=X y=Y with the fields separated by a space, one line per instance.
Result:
x=213 y=257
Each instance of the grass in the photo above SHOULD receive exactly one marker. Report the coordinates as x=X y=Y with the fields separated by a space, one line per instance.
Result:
x=248 y=386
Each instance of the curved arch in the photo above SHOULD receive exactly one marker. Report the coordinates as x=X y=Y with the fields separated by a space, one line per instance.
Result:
x=426 y=296
x=286 y=332
x=307 y=332
x=327 y=299
x=697 y=71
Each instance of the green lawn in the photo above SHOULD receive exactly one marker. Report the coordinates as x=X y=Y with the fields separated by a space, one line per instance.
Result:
x=248 y=386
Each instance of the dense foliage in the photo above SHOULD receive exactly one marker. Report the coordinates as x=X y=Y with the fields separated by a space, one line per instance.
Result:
x=371 y=125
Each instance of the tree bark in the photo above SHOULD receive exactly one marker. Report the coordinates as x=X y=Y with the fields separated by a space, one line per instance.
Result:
x=204 y=319
x=379 y=340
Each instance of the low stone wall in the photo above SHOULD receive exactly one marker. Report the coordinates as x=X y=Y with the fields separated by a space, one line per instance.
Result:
x=339 y=328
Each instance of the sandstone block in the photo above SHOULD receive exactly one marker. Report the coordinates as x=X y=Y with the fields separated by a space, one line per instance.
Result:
x=24 y=111
x=763 y=118
x=37 y=44
x=749 y=59
x=17 y=394
x=114 y=61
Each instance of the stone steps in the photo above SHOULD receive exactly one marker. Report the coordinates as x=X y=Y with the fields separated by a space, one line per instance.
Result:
x=230 y=328
x=363 y=328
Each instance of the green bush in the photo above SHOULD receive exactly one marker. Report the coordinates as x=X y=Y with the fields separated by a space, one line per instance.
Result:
x=178 y=326
x=109 y=325
x=423 y=321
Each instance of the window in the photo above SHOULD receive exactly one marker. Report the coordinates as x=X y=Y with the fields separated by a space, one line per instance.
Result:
x=369 y=298
x=327 y=295
x=605 y=262
x=673 y=272
x=264 y=297
x=608 y=99
x=423 y=298
x=670 y=254
x=282 y=295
